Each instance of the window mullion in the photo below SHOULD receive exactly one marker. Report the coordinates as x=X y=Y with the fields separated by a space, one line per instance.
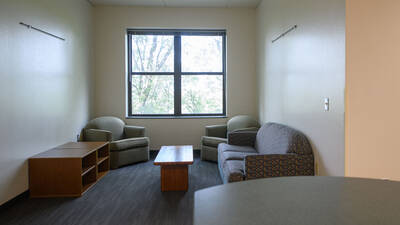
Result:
x=177 y=77
x=224 y=74
x=129 y=89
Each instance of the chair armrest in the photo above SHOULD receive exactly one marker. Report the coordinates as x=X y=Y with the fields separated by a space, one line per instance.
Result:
x=242 y=138
x=134 y=131
x=278 y=165
x=96 y=135
x=216 y=131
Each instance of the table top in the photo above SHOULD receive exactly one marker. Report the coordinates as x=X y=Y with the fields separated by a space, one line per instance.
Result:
x=71 y=150
x=82 y=145
x=300 y=201
x=175 y=155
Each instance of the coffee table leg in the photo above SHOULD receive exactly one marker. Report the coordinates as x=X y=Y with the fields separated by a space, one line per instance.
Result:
x=174 y=178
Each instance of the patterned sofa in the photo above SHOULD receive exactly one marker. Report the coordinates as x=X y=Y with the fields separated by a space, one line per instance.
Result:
x=274 y=150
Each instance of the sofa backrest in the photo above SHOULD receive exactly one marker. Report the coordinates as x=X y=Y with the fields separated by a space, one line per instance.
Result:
x=240 y=122
x=274 y=138
x=109 y=123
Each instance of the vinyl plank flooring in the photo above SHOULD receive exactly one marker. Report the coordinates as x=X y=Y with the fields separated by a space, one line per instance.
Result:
x=130 y=195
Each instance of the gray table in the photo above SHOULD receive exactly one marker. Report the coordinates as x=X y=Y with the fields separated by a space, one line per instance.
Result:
x=300 y=201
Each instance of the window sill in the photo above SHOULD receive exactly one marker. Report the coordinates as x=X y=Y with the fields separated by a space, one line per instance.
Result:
x=175 y=117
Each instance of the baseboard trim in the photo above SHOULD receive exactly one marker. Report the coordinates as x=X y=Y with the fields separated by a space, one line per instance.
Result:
x=11 y=202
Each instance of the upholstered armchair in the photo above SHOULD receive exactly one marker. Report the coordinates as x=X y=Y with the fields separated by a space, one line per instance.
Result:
x=216 y=134
x=128 y=144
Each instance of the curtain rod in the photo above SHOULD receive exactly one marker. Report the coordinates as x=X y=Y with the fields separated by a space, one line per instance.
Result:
x=40 y=30
x=283 y=34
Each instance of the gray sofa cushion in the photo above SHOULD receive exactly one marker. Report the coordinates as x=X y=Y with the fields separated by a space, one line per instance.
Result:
x=212 y=141
x=129 y=143
x=232 y=171
x=235 y=148
x=228 y=155
x=231 y=161
x=273 y=138
x=223 y=157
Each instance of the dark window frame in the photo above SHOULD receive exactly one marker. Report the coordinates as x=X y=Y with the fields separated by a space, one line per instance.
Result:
x=177 y=71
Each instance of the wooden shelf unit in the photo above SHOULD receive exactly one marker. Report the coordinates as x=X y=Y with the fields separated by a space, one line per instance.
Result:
x=69 y=169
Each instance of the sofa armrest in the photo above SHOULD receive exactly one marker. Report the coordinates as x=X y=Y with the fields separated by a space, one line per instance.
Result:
x=134 y=131
x=216 y=131
x=278 y=165
x=242 y=138
x=96 y=135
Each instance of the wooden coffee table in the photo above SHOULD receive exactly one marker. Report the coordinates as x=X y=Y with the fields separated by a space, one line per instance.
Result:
x=174 y=161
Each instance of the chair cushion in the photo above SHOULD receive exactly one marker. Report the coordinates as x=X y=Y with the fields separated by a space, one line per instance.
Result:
x=212 y=141
x=235 y=148
x=129 y=143
x=273 y=138
x=109 y=123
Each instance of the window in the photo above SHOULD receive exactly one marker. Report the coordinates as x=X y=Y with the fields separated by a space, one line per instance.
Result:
x=176 y=73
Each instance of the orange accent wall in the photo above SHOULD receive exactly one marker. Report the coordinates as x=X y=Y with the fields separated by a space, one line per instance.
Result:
x=373 y=88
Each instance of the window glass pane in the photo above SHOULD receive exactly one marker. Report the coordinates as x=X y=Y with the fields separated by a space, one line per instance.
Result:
x=152 y=94
x=201 y=53
x=202 y=94
x=152 y=53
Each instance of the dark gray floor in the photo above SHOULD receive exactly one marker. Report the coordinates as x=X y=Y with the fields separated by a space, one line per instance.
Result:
x=129 y=195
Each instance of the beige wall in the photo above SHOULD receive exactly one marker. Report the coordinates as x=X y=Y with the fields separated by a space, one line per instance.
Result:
x=298 y=71
x=372 y=84
x=110 y=95
x=44 y=88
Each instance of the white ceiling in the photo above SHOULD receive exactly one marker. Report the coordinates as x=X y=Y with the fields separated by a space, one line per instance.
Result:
x=181 y=3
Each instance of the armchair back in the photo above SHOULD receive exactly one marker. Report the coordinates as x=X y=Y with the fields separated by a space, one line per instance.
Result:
x=108 y=123
x=240 y=122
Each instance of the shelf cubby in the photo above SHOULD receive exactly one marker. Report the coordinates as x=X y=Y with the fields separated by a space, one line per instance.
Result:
x=103 y=152
x=88 y=180
x=103 y=167
x=88 y=162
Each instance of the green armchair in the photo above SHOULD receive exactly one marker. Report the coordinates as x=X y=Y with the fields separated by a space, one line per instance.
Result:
x=128 y=144
x=216 y=134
